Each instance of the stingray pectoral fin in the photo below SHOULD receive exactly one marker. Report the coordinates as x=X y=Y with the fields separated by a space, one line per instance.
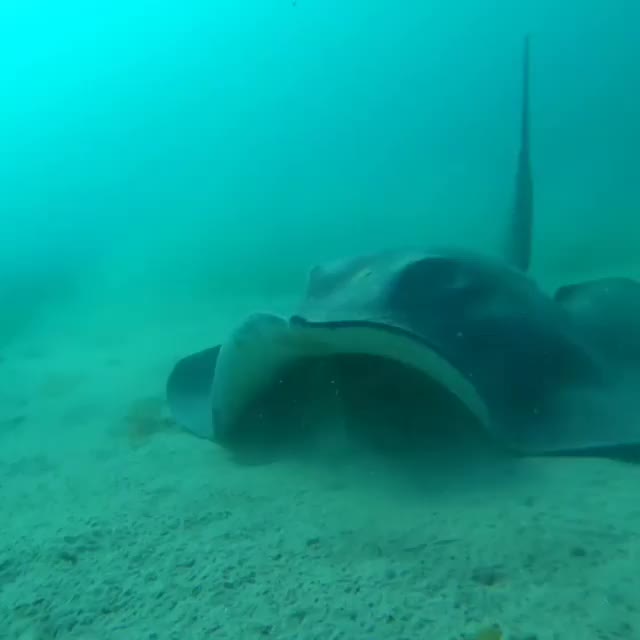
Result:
x=189 y=392
x=225 y=393
x=266 y=367
x=253 y=378
x=587 y=421
x=607 y=312
x=394 y=344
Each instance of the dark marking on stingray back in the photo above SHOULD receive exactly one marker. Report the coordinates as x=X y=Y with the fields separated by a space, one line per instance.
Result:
x=496 y=327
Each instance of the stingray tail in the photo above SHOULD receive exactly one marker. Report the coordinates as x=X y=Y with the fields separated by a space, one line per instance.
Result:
x=521 y=222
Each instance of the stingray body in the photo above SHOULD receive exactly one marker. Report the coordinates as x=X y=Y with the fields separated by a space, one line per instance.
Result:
x=535 y=374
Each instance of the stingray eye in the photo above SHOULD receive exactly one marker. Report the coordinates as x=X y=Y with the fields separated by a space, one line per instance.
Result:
x=361 y=275
x=563 y=294
x=315 y=273
x=316 y=281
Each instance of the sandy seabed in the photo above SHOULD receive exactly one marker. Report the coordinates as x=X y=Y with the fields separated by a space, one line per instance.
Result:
x=117 y=525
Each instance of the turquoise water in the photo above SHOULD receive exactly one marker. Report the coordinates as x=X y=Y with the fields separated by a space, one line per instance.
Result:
x=233 y=134
x=161 y=155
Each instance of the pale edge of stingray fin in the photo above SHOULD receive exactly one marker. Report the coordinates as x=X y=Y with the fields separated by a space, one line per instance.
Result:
x=521 y=221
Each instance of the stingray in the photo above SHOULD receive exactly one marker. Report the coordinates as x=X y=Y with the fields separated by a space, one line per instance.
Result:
x=414 y=336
